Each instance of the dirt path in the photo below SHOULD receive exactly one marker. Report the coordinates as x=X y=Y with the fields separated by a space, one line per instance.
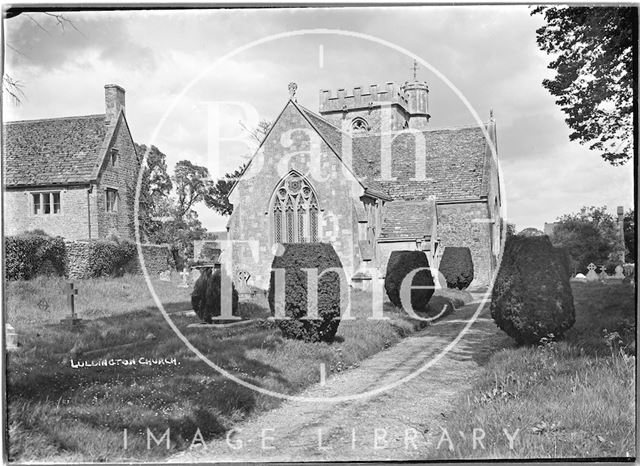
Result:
x=400 y=419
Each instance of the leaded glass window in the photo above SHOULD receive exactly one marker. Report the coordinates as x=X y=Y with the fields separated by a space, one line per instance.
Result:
x=295 y=211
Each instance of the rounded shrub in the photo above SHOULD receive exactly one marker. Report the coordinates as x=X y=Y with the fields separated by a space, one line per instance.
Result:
x=401 y=264
x=456 y=266
x=529 y=232
x=532 y=296
x=295 y=258
x=34 y=253
x=206 y=296
x=437 y=305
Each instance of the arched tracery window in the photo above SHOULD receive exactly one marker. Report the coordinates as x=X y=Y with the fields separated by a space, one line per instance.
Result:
x=295 y=211
x=359 y=125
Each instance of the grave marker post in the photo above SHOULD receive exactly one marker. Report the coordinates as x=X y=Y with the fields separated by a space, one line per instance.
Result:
x=71 y=291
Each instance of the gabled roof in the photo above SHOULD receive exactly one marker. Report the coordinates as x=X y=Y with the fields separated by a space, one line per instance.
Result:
x=456 y=165
x=53 y=151
x=334 y=138
x=408 y=220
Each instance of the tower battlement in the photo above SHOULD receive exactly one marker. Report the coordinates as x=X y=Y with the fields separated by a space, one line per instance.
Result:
x=361 y=98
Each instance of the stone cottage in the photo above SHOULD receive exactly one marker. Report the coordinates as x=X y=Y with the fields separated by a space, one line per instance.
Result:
x=369 y=175
x=73 y=177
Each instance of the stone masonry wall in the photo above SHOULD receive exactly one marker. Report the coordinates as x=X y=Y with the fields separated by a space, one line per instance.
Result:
x=158 y=258
x=335 y=189
x=122 y=177
x=396 y=115
x=462 y=225
x=72 y=222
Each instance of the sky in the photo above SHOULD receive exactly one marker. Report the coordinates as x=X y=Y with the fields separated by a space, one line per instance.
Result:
x=173 y=67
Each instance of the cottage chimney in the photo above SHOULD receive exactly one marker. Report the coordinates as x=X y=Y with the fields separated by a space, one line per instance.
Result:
x=113 y=102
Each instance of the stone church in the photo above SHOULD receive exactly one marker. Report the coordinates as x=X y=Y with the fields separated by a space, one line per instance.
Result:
x=368 y=174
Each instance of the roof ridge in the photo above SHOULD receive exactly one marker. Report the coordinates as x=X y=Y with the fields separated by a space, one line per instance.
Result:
x=78 y=117
x=320 y=117
x=429 y=130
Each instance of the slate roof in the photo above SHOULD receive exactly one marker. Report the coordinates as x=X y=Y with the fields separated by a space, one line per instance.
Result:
x=457 y=161
x=456 y=164
x=408 y=219
x=53 y=151
x=334 y=136
x=330 y=133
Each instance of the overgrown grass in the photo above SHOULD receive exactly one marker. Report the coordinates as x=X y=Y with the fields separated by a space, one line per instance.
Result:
x=56 y=411
x=43 y=299
x=574 y=398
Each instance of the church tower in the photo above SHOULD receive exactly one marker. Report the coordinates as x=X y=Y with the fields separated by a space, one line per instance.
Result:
x=417 y=95
x=391 y=107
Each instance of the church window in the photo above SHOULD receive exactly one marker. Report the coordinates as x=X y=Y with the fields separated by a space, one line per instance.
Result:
x=359 y=125
x=313 y=221
x=295 y=211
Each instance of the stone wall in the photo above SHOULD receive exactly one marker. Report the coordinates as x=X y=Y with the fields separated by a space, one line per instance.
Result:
x=157 y=258
x=71 y=222
x=336 y=191
x=123 y=178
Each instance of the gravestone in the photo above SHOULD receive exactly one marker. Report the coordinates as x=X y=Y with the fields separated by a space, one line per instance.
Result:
x=580 y=277
x=243 y=283
x=185 y=276
x=619 y=272
x=165 y=276
x=11 y=337
x=603 y=273
x=592 y=276
x=71 y=291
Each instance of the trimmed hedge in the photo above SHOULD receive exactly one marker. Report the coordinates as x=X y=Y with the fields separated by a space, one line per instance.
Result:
x=30 y=254
x=206 y=296
x=400 y=264
x=456 y=265
x=532 y=295
x=298 y=256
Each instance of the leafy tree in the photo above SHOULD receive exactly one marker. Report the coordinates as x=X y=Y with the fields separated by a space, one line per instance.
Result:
x=217 y=196
x=191 y=183
x=593 y=56
x=155 y=187
x=166 y=203
x=629 y=222
x=218 y=193
x=588 y=236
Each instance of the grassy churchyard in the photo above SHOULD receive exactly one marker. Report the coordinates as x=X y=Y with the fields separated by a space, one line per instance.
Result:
x=56 y=410
x=573 y=398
